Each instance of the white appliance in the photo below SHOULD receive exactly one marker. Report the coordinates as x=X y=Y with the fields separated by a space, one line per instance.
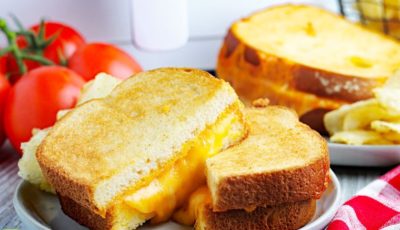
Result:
x=156 y=32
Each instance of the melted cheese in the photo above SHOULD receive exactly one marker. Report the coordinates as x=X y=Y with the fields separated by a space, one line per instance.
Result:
x=170 y=190
x=188 y=214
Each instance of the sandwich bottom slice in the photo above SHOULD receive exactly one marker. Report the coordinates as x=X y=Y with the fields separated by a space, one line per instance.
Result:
x=170 y=189
x=286 y=216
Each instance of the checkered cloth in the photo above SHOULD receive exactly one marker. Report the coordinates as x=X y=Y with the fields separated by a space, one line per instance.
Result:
x=377 y=206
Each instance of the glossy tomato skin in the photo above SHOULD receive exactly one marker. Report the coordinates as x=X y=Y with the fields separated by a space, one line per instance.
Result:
x=4 y=89
x=3 y=64
x=67 y=42
x=94 y=58
x=35 y=99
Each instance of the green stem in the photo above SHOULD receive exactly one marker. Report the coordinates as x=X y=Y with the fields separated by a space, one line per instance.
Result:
x=37 y=58
x=11 y=37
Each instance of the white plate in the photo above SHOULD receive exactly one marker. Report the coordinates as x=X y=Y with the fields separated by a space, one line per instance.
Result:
x=364 y=155
x=41 y=210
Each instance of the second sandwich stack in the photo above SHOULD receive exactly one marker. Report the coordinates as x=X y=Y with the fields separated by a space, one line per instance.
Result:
x=270 y=180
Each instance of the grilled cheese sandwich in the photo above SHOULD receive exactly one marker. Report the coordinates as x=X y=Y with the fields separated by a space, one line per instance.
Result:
x=244 y=182
x=139 y=152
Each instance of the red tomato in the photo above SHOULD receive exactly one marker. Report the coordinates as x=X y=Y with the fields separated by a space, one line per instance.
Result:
x=35 y=99
x=94 y=58
x=3 y=64
x=66 y=43
x=4 y=89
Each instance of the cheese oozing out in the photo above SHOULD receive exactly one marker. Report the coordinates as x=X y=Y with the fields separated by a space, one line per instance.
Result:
x=169 y=191
x=189 y=212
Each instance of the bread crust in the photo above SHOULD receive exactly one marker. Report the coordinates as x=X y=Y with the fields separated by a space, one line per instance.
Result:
x=283 y=217
x=283 y=187
x=83 y=215
x=120 y=216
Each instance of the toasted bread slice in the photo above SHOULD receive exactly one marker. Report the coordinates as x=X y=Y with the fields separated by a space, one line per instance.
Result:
x=198 y=210
x=107 y=147
x=282 y=217
x=306 y=49
x=158 y=199
x=281 y=161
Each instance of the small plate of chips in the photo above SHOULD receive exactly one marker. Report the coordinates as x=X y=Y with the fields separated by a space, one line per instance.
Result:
x=367 y=133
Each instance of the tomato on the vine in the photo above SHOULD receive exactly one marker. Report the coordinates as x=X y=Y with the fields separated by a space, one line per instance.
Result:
x=94 y=58
x=35 y=99
x=67 y=41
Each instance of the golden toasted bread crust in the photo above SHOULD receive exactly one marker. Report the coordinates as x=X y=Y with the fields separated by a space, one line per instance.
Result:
x=83 y=215
x=284 y=217
x=274 y=188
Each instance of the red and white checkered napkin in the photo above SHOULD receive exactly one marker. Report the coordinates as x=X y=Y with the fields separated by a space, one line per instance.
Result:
x=377 y=206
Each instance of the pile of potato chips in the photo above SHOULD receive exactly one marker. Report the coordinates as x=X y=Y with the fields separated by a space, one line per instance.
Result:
x=370 y=122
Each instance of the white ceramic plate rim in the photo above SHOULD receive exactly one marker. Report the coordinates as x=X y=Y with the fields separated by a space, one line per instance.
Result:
x=364 y=155
x=325 y=218
x=378 y=147
x=318 y=223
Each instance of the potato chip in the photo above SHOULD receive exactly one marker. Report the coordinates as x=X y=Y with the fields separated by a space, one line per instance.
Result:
x=360 y=137
x=333 y=120
x=361 y=117
x=101 y=86
x=386 y=126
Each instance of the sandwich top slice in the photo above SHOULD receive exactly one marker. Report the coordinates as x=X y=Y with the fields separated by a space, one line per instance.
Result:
x=142 y=136
x=281 y=161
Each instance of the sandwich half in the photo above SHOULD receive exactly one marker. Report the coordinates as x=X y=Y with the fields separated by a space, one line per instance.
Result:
x=308 y=51
x=269 y=181
x=139 y=152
